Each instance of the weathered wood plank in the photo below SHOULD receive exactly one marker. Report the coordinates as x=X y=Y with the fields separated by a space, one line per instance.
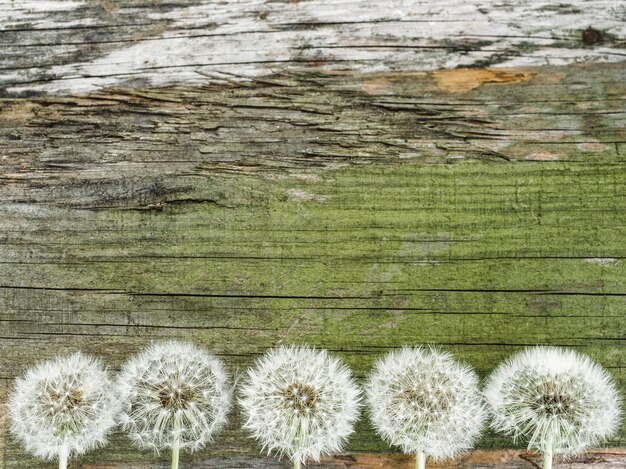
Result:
x=302 y=123
x=477 y=209
x=60 y=46
x=598 y=459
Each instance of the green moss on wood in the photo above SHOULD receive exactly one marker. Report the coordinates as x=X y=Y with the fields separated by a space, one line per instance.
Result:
x=480 y=258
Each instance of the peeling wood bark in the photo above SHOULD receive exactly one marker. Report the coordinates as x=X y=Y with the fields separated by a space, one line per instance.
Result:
x=301 y=123
x=77 y=46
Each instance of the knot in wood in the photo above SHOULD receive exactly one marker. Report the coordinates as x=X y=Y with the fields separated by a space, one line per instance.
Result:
x=591 y=36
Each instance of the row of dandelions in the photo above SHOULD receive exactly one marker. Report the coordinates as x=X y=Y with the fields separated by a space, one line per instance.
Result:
x=302 y=402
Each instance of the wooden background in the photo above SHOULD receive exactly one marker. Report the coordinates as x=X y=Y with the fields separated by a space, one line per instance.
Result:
x=357 y=175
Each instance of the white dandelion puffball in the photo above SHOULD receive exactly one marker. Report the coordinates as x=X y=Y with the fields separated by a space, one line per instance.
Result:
x=174 y=395
x=65 y=406
x=423 y=400
x=557 y=399
x=300 y=402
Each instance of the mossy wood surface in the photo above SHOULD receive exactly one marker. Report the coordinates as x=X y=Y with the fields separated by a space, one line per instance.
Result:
x=482 y=210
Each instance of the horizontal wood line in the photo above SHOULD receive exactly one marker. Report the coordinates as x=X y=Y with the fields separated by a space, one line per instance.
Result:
x=532 y=291
x=514 y=36
x=322 y=309
x=433 y=259
x=30 y=334
x=553 y=341
x=314 y=297
x=96 y=290
x=486 y=207
x=192 y=295
x=476 y=48
x=538 y=168
x=568 y=142
x=66 y=327
x=60 y=27
x=135 y=325
x=558 y=341
x=141 y=71
x=134 y=41
x=269 y=229
x=467 y=47
x=190 y=96
x=376 y=21
x=451 y=102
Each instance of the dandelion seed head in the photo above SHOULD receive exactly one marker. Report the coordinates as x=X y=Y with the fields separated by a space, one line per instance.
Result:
x=557 y=399
x=424 y=400
x=68 y=402
x=173 y=390
x=300 y=402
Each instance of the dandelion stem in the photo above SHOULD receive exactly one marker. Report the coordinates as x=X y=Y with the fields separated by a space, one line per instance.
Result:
x=176 y=444
x=547 y=459
x=420 y=460
x=547 y=456
x=63 y=453
x=296 y=464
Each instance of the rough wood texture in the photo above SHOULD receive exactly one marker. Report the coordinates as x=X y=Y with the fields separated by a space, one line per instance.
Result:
x=478 y=209
x=357 y=175
x=296 y=124
x=58 y=46
x=598 y=459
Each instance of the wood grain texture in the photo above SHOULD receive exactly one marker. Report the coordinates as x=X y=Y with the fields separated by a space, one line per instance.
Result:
x=597 y=459
x=60 y=46
x=482 y=210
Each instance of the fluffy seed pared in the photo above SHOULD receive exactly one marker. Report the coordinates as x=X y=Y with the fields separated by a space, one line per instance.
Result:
x=557 y=399
x=300 y=402
x=64 y=406
x=424 y=401
x=173 y=393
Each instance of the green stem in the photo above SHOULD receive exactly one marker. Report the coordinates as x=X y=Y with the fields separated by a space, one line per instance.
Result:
x=547 y=456
x=63 y=454
x=547 y=460
x=420 y=460
x=176 y=444
x=296 y=464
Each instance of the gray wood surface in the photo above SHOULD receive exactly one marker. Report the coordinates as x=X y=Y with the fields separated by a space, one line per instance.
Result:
x=479 y=210
x=60 y=46
x=353 y=175
x=597 y=459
